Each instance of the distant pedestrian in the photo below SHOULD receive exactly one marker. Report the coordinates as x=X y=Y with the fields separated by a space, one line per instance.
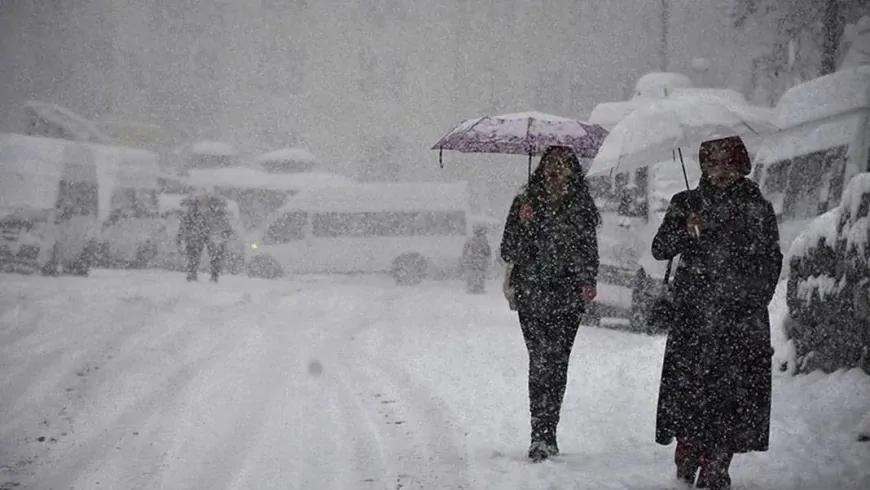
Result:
x=204 y=225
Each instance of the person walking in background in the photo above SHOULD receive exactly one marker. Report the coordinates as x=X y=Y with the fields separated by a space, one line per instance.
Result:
x=205 y=225
x=476 y=257
x=550 y=244
x=715 y=391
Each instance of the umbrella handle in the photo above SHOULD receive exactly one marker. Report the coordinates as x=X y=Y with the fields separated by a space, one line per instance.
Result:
x=683 y=165
x=441 y=156
x=530 y=166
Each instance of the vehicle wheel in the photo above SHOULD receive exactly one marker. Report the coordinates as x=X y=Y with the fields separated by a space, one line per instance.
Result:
x=409 y=269
x=265 y=266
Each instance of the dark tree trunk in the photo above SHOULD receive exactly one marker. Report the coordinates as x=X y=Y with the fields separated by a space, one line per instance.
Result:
x=833 y=24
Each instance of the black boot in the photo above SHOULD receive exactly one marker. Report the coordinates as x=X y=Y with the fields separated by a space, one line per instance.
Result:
x=714 y=472
x=550 y=437
x=687 y=457
x=543 y=443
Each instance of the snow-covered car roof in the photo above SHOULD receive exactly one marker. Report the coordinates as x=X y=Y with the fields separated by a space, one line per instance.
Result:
x=825 y=96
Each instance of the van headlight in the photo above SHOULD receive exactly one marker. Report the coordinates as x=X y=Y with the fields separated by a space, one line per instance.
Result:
x=254 y=246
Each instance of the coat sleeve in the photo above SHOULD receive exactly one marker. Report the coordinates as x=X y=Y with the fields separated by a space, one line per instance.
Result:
x=672 y=238
x=763 y=261
x=512 y=246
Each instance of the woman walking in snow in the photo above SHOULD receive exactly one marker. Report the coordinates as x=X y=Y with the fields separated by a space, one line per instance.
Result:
x=550 y=241
x=715 y=390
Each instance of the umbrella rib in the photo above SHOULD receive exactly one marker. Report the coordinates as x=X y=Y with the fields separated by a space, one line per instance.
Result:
x=475 y=124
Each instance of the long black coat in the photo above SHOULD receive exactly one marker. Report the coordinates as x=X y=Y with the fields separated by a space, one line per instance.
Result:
x=554 y=255
x=716 y=377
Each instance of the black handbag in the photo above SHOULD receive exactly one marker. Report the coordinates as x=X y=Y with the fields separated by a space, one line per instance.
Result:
x=662 y=311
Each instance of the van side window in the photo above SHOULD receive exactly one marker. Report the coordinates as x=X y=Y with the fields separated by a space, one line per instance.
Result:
x=386 y=224
x=290 y=227
x=815 y=183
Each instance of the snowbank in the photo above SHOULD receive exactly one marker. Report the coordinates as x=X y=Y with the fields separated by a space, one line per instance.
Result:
x=142 y=380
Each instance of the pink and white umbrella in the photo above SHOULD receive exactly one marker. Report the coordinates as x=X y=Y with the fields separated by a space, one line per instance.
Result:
x=523 y=133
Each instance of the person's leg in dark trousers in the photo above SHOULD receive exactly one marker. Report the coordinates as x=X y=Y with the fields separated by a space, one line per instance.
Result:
x=714 y=469
x=549 y=340
x=688 y=457
x=194 y=252
x=216 y=258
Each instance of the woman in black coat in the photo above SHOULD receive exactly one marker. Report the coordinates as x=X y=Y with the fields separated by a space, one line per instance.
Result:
x=715 y=389
x=551 y=242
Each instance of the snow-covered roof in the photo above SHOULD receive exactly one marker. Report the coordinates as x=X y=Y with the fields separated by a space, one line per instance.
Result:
x=825 y=96
x=660 y=84
x=608 y=114
x=287 y=154
x=244 y=177
x=219 y=148
x=382 y=196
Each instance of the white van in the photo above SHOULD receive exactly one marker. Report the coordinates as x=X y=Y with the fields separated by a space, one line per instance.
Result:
x=49 y=204
x=410 y=230
x=109 y=193
x=824 y=142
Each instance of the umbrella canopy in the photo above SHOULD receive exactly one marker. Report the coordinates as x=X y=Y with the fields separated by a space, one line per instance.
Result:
x=523 y=133
x=654 y=132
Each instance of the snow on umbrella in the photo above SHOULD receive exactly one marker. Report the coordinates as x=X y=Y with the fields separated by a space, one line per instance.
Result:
x=523 y=133
x=654 y=132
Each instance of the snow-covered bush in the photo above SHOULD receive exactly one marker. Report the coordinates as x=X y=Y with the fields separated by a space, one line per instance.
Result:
x=828 y=284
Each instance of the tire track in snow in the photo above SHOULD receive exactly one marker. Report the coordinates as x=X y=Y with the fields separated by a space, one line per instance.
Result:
x=418 y=444
x=188 y=343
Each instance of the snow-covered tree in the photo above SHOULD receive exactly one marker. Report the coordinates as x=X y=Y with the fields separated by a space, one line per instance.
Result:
x=819 y=22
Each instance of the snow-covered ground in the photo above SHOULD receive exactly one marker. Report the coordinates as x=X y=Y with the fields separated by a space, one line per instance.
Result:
x=138 y=380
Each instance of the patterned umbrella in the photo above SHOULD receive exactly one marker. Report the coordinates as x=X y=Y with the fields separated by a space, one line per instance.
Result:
x=523 y=133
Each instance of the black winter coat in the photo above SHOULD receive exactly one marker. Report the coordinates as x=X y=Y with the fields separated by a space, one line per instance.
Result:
x=716 y=376
x=554 y=255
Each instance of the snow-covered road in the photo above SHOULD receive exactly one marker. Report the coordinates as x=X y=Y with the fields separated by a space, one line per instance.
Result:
x=138 y=380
